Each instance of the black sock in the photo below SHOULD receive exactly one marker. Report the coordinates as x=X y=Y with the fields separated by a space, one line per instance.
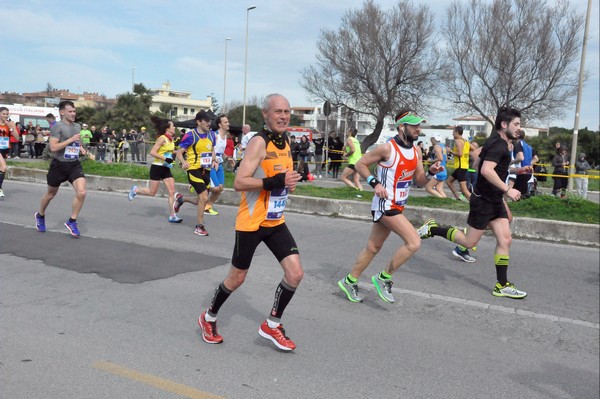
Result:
x=283 y=295
x=439 y=231
x=502 y=274
x=219 y=298
x=501 y=262
x=71 y=220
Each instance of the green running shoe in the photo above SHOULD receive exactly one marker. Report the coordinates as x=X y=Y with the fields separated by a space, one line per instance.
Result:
x=425 y=230
x=351 y=290
x=508 y=290
x=384 y=288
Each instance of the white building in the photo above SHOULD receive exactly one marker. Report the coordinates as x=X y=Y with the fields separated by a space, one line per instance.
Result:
x=478 y=124
x=182 y=105
x=339 y=120
x=314 y=118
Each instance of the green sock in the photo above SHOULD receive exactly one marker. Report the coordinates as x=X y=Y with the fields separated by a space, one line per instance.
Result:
x=463 y=249
x=351 y=280
x=451 y=233
x=501 y=260
x=384 y=276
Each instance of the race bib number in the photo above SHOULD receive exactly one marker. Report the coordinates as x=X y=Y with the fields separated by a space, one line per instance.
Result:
x=72 y=151
x=401 y=193
x=206 y=160
x=277 y=202
x=4 y=143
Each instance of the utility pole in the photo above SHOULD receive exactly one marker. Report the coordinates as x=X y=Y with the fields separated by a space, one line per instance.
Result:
x=578 y=106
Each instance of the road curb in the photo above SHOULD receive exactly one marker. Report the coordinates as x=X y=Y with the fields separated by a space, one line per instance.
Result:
x=536 y=229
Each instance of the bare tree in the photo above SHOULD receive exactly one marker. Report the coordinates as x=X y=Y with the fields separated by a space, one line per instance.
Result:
x=376 y=62
x=521 y=53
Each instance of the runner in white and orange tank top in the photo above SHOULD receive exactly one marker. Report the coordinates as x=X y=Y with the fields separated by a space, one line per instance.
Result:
x=397 y=161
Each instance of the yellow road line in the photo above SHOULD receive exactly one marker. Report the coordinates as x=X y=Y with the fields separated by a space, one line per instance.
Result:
x=157 y=382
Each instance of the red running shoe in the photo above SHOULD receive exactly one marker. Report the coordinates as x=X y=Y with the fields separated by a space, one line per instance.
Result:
x=277 y=335
x=178 y=202
x=209 y=330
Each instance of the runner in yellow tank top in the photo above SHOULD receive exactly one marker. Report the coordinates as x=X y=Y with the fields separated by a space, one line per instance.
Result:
x=265 y=177
x=162 y=151
x=461 y=165
x=353 y=153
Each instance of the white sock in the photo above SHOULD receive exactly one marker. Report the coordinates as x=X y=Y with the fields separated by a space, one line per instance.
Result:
x=209 y=318
x=272 y=324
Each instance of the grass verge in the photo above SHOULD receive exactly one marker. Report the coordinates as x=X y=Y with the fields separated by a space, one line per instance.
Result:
x=569 y=209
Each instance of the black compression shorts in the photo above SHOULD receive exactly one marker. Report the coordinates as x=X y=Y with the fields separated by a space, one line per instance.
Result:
x=278 y=239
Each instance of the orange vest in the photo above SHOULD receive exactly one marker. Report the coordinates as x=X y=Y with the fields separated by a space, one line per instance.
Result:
x=265 y=208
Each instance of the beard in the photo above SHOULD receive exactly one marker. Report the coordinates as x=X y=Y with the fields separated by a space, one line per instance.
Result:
x=513 y=135
x=405 y=140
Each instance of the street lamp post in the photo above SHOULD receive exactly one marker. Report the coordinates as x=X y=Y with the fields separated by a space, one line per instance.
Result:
x=246 y=64
x=225 y=74
x=578 y=104
x=132 y=77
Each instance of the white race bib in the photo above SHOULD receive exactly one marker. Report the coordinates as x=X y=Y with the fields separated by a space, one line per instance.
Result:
x=401 y=192
x=206 y=160
x=72 y=151
x=4 y=143
x=277 y=202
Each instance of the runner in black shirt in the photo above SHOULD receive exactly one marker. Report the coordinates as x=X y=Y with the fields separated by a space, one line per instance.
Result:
x=487 y=206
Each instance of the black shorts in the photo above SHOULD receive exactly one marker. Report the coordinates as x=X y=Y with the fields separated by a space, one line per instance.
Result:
x=460 y=174
x=351 y=166
x=522 y=183
x=482 y=212
x=159 y=172
x=60 y=172
x=199 y=179
x=278 y=239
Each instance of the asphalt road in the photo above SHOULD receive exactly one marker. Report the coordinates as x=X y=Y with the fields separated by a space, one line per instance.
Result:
x=113 y=314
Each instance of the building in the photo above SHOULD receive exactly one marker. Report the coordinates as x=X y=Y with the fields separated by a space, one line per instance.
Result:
x=339 y=120
x=180 y=103
x=53 y=97
x=478 y=124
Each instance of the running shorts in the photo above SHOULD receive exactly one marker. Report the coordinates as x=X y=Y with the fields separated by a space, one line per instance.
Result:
x=159 y=172
x=278 y=239
x=390 y=212
x=199 y=179
x=460 y=174
x=217 y=177
x=482 y=212
x=60 y=172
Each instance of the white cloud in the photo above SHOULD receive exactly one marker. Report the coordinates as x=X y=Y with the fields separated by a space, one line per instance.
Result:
x=93 y=45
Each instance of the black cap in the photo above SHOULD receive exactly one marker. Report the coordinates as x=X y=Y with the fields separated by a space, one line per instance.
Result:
x=203 y=116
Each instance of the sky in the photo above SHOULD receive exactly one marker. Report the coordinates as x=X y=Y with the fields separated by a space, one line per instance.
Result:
x=99 y=46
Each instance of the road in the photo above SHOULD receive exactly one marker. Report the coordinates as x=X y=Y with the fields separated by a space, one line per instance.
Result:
x=113 y=314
